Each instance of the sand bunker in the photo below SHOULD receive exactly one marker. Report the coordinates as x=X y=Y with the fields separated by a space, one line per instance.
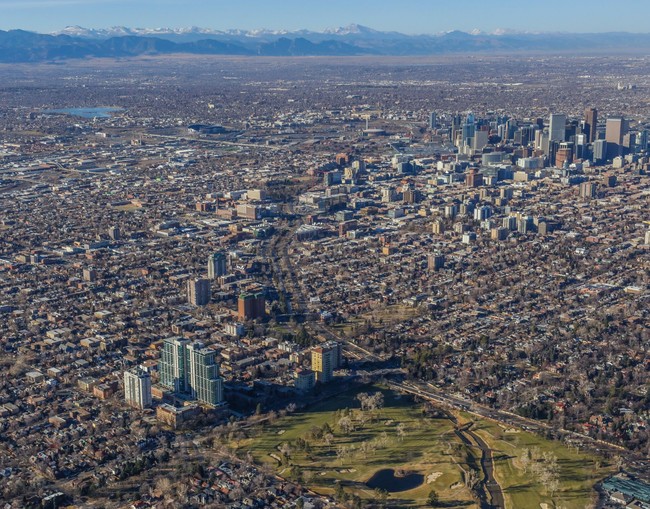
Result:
x=431 y=478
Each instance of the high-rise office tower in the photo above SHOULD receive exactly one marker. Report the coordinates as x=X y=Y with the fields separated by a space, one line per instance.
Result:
x=642 y=140
x=456 y=122
x=190 y=368
x=615 y=130
x=433 y=119
x=553 y=147
x=600 y=151
x=580 y=147
x=137 y=388
x=511 y=128
x=469 y=128
x=217 y=265
x=591 y=124
x=198 y=291
x=480 y=140
x=527 y=135
x=564 y=155
x=541 y=141
x=557 y=127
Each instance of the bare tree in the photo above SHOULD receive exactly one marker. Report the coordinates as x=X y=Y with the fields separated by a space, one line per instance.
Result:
x=345 y=424
x=401 y=431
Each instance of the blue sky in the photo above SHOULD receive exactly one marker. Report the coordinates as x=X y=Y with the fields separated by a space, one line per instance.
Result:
x=408 y=16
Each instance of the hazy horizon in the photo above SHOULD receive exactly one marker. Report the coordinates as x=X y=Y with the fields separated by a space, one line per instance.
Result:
x=280 y=30
x=411 y=17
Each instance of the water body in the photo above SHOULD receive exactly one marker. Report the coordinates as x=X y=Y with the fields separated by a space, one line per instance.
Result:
x=98 y=112
x=386 y=479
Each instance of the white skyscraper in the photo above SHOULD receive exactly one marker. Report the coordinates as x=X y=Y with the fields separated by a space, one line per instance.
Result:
x=137 y=388
x=557 y=127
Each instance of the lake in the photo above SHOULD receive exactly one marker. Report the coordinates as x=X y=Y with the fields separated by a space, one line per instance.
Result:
x=99 y=112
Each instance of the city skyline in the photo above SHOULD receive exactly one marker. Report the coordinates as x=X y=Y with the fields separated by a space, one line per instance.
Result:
x=410 y=17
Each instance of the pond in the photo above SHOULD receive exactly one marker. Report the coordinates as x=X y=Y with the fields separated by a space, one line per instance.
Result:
x=387 y=480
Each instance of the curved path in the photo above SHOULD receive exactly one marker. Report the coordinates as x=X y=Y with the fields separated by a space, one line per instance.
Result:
x=490 y=494
x=487 y=465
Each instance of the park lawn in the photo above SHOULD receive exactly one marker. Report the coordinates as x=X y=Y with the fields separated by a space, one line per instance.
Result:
x=127 y=208
x=392 y=314
x=348 y=328
x=427 y=447
x=579 y=471
x=386 y=315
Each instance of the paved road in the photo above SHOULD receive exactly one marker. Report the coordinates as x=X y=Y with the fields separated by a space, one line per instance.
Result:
x=636 y=462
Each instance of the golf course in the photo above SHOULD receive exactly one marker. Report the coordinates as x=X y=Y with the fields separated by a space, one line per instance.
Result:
x=374 y=445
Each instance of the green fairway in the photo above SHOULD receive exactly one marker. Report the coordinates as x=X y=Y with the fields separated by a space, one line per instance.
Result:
x=335 y=442
x=577 y=471
x=396 y=436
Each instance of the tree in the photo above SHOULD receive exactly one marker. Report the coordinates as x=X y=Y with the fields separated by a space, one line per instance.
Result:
x=401 y=431
x=163 y=487
x=363 y=399
x=552 y=486
x=618 y=461
x=182 y=491
x=341 y=453
x=285 y=448
x=296 y=473
x=433 y=499
x=471 y=479
x=365 y=448
x=327 y=438
x=339 y=493
x=381 y=495
x=345 y=424
x=378 y=400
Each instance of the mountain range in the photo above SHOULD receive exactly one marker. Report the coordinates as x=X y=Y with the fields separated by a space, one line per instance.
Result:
x=117 y=42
